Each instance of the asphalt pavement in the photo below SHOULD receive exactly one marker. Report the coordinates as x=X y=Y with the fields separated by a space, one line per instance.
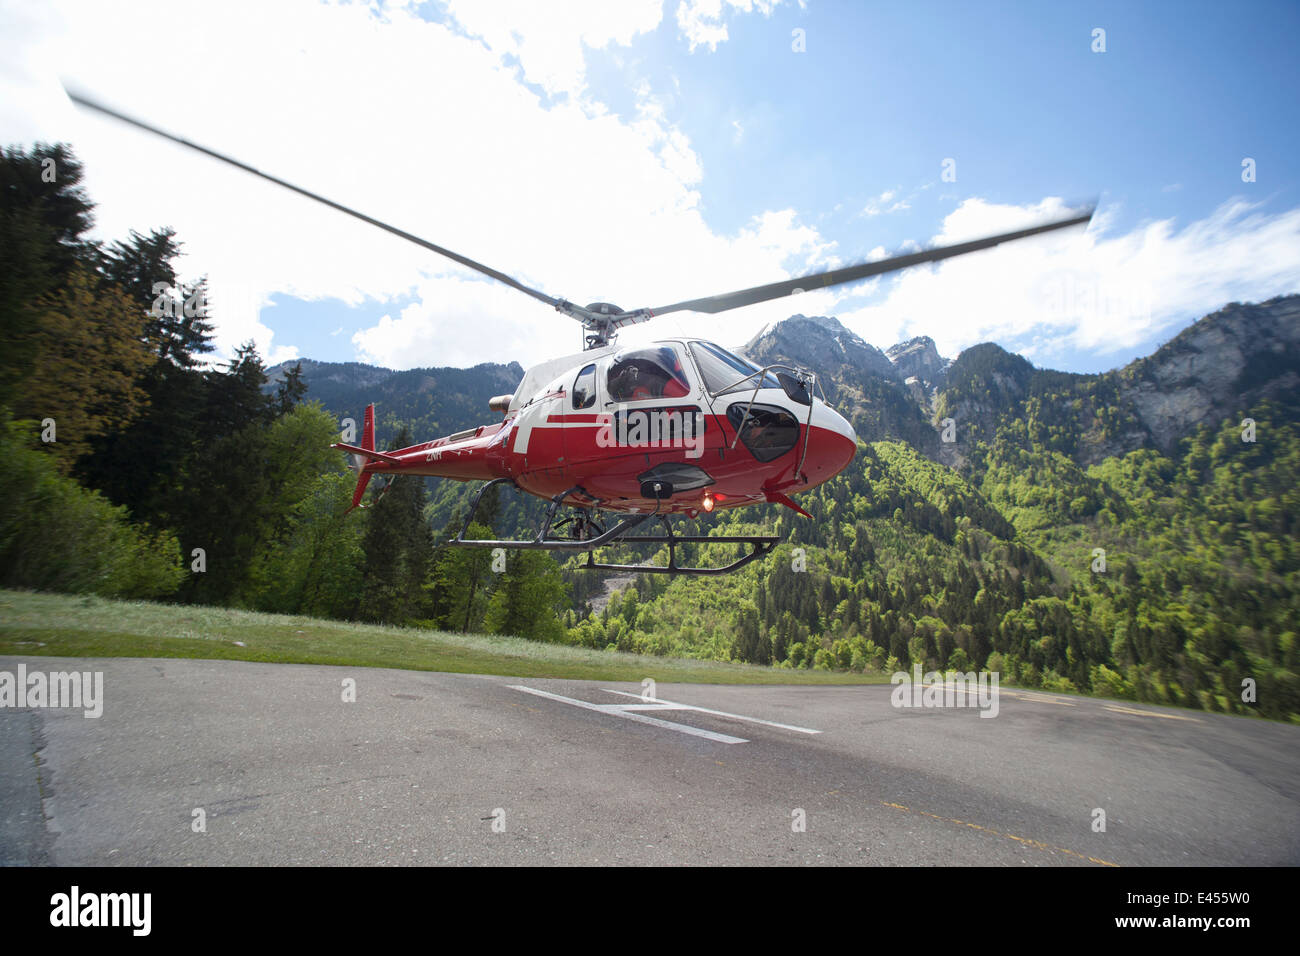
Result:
x=226 y=762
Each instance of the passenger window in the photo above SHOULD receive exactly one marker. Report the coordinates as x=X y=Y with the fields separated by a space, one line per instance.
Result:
x=643 y=374
x=584 y=389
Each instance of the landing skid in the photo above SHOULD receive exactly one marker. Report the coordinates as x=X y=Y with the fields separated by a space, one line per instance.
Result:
x=589 y=534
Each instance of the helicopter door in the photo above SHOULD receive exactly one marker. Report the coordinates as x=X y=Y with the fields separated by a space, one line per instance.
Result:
x=581 y=414
x=651 y=403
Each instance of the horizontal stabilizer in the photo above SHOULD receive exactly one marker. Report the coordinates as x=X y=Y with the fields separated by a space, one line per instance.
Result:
x=368 y=452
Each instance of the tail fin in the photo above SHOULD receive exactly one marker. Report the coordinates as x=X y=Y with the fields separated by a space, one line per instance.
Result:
x=364 y=452
x=368 y=428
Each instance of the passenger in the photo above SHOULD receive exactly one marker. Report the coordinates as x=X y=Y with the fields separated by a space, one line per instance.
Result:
x=640 y=376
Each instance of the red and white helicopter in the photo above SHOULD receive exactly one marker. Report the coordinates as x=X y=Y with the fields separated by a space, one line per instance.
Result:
x=677 y=427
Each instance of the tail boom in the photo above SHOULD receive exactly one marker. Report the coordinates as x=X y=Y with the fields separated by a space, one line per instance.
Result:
x=471 y=455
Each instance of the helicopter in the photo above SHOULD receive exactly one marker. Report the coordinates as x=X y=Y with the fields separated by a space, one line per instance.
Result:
x=678 y=427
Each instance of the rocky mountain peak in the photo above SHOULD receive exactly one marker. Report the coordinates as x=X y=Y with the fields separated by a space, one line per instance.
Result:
x=918 y=358
x=820 y=343
x=1219 y=365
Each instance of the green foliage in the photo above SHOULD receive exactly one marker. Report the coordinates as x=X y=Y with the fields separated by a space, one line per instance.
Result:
x=1200 y=589
x=460 y=584
x=527 y=598
x=88 y=364
x=57 y=536
x=315 y=568
x=239 y=496
x=176 y=326
x=1062 y=550
x=44 y=215
x=398 y=547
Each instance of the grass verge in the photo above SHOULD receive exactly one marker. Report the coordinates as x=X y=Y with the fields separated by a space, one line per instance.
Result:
x=62 y=625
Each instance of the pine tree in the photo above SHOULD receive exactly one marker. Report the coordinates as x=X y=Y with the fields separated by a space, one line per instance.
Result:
x=291 y=390
x=44 y=215
x=526 y=600
x=88 y=362
x=398 y=548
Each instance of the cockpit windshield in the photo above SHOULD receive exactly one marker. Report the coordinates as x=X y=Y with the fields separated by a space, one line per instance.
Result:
x=725 y=371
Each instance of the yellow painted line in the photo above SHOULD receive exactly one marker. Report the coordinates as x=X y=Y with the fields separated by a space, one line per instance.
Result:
x=1039 y=699
x=1151 y=713
x=1010 y=836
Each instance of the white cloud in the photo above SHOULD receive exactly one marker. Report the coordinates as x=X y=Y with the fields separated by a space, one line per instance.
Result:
x=548 y=41
x=414 y=123
x=1084 y=290
x=420 y=125
x=496 y=324
x=885 y=203
x=703 y=22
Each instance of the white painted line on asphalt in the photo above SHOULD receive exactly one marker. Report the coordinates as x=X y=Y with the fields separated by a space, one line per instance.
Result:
x=624 y=711
x=669 y=705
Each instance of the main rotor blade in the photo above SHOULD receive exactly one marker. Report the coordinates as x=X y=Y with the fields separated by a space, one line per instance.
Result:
x=833 y=277
x=433 y=247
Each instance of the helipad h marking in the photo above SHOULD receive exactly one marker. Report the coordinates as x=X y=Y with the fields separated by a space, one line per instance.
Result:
x=626 y=712
x=669 y=705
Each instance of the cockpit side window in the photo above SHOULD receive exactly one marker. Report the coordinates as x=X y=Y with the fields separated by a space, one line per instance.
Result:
x=584 y=388
x=641 y=374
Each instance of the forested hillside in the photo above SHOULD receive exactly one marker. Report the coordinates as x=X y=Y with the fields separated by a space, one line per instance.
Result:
x=428 y=401
x=1092 y=533
x=1052 y=539
x=1132 y=533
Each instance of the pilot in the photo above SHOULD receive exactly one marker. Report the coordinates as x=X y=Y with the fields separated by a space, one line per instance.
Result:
x=626 y=382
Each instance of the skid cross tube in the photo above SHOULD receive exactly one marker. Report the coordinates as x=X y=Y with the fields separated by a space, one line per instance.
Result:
x=760 y=545
x=542 y=542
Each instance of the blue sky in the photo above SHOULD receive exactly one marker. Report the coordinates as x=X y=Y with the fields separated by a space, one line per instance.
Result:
x=1022 y=101
x=647 y=152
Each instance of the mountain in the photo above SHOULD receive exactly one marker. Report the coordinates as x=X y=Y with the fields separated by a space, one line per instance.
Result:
x=1114 y=533
x=817 y=343
x=1118 y=533
x=1219 y=367
x=857 y=378
x=433 y=401
x=918 y=358
x=1222 y=364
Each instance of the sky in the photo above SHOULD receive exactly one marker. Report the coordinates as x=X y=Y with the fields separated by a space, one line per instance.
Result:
x=648 y=151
